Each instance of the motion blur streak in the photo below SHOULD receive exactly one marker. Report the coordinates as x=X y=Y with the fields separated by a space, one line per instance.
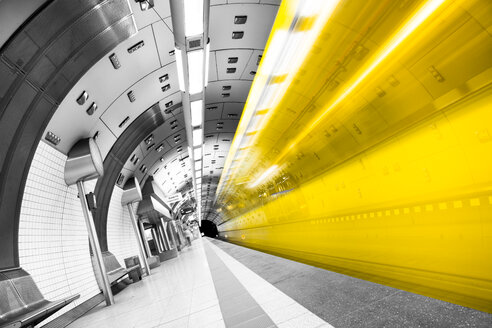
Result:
x=382 y=149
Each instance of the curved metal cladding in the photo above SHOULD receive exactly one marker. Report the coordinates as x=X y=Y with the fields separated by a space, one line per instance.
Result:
x=372 y=156
x=38 y=66
x=142 y=126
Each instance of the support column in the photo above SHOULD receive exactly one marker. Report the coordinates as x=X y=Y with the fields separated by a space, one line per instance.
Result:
x=135 y=230
x=144 y=238
x=173 y=232
x=157 y=242
x=163 y=237
x=96 y=249
x=164 y=227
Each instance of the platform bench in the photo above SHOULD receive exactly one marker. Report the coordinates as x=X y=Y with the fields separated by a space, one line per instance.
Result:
x=21 y=302
x=115 y=271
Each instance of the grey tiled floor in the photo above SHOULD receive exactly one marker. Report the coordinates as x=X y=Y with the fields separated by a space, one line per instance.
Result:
x=183 y=293
x=179 y=293
x=239 y=308
x=347 y=302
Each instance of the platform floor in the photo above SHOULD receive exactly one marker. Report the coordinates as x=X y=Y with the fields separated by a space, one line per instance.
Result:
x=204 y=288
x=218 y=284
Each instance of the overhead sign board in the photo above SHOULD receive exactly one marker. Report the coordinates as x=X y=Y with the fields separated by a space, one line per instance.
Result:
x=174 y=198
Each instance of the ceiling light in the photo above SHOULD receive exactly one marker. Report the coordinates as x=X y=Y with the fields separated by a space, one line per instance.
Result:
x=179 y=64
x=197 y=137
x=193 y=12
x=197 y=153
x=196 y=112
x=195 y=71
x=207 y=62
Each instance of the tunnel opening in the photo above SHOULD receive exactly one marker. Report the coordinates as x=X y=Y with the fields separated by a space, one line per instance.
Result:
x=209 y=229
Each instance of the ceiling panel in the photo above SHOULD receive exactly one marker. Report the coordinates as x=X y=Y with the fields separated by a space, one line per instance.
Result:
x=104 y=138
x=243 y=1
x=103 y=84
x=252 y=66
x=164 y=41
x=212 y=69
x=135 y=160
x=256 y=30
x=243 y=56
x=160 y=11
x=213 y=111
x=147 y=92
x=218 y=2
x=238 y=92
x=227 y=126
x=232 y=111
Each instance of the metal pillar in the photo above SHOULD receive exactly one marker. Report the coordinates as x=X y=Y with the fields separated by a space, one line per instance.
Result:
x=159 y=235
x=173 y=232
x=163 y=237
x=144 y=238
x=166 y=237
x=157 y=242
x=140 y=245
x=96 y=249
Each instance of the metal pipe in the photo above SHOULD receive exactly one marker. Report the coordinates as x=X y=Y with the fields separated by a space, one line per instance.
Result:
x=144 y=238
x=140 y=245
x=96 y=249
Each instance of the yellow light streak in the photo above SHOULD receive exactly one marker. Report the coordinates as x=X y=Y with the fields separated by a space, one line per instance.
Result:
x=414 y=22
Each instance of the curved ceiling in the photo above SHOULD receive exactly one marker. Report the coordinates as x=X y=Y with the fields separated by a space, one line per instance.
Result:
x=150 y=75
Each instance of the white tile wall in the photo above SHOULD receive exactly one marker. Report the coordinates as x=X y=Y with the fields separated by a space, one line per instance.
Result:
x=121 y=238
x=53 y=241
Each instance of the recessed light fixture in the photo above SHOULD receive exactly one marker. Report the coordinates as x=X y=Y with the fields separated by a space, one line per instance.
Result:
x=231 y=70
x=82 y=98
x=236 y=35
x=232 y=60
x=114 y=61
x=52 y=138
x=149 y=139
x=136 y=46
x=92 y=108
x=131 y=96
x=240 y=19
x=163 y=78
x=145 y=4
